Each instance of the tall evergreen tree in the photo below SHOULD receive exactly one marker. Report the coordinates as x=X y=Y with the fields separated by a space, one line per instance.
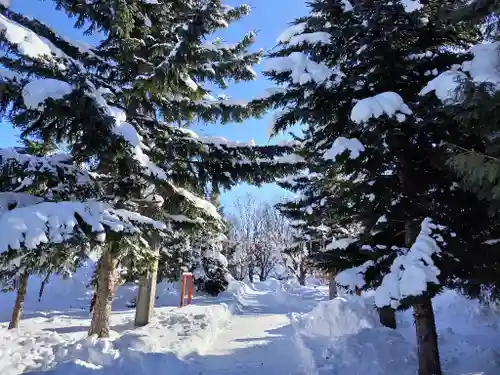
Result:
x=352 y=74
x=116 y=106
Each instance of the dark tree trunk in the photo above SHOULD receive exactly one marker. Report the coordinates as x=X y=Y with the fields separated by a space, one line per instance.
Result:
x=387 y=317
x=106 y=287
x=21 y=294
x=428 y=352
x=302 y=274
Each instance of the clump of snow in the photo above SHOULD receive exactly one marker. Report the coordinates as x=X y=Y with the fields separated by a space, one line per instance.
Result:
x=5 y=3
x=388 y=103
x=411 y=271
x=412 y=5
x=484 y=65
x=319 y=37
x=291 y=31
x=340 y=243
x=347 y=6
x=342 y=144
x=28 y=43
x=302 y=70
x=445 y=85
x=37 y=91
x=353 y=278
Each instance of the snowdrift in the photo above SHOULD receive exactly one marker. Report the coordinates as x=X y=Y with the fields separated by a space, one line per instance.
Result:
x=344 y=337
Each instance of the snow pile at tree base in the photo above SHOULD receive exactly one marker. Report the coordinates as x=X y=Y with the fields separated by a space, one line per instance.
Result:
x=344 y=337
x=172 y=335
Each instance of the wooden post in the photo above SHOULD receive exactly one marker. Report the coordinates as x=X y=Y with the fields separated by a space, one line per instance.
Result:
x=190 y=289
x=146 y=297
x=183 y=287
x=184 y=279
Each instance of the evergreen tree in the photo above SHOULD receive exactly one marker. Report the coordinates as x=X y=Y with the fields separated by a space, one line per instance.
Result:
x=115 y=105
x=375 y=147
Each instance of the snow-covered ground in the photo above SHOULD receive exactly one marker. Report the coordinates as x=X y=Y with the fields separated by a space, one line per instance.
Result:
x=262 y=328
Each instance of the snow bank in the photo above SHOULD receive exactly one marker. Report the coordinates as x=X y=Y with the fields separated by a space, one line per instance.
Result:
x=344 y=337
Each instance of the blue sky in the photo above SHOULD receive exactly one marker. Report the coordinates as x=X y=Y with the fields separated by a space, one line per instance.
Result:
x=268 y=18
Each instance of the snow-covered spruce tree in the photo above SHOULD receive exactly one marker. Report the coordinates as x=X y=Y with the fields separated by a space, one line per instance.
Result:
x=114 y=105
x=344 y=71
x=470 y=98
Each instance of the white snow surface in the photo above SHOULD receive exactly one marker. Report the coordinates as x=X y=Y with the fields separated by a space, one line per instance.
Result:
x=270 y=327
x=342 y=144
x=388 y=103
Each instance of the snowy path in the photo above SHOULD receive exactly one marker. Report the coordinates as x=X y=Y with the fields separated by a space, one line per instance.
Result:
x=259 y=339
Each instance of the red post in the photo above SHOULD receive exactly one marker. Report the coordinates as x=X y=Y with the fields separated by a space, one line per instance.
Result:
x=184 y=279
x=190 y=288
x=183 y=287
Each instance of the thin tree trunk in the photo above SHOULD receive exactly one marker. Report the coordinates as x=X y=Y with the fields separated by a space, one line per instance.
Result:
x=107 y=279
x=332 y=287
x=302 y=274
x=18 y=307
x=425 y=325
x=428 y=353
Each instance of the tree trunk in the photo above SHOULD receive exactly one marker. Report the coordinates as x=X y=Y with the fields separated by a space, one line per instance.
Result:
x=302 y=274
x=146 y=296
x=332 y=288
x=18 y=307
x=387 y=317
x=428 y=352
x=101 y=313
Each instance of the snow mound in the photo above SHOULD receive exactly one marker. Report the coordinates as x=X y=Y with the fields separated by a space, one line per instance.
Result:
x=344 y=337
x=172 y=335
x=338 y=317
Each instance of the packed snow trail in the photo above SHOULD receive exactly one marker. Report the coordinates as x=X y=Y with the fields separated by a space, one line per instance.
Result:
x=259 y=339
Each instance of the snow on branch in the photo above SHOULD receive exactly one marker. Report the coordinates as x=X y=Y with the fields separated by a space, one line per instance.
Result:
x=203 y=204
x=413 y=270
x=353 y=278
x=36 y=92
x=342 y=144
x=411 y=5
x=482 y=68
x=302 y=70
x=291 y=31
x=28 y=43
x=56 y=222
x=445 y=86
x=318 y=37
x=51 y=164
x=11 y=200
x=387 y=103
